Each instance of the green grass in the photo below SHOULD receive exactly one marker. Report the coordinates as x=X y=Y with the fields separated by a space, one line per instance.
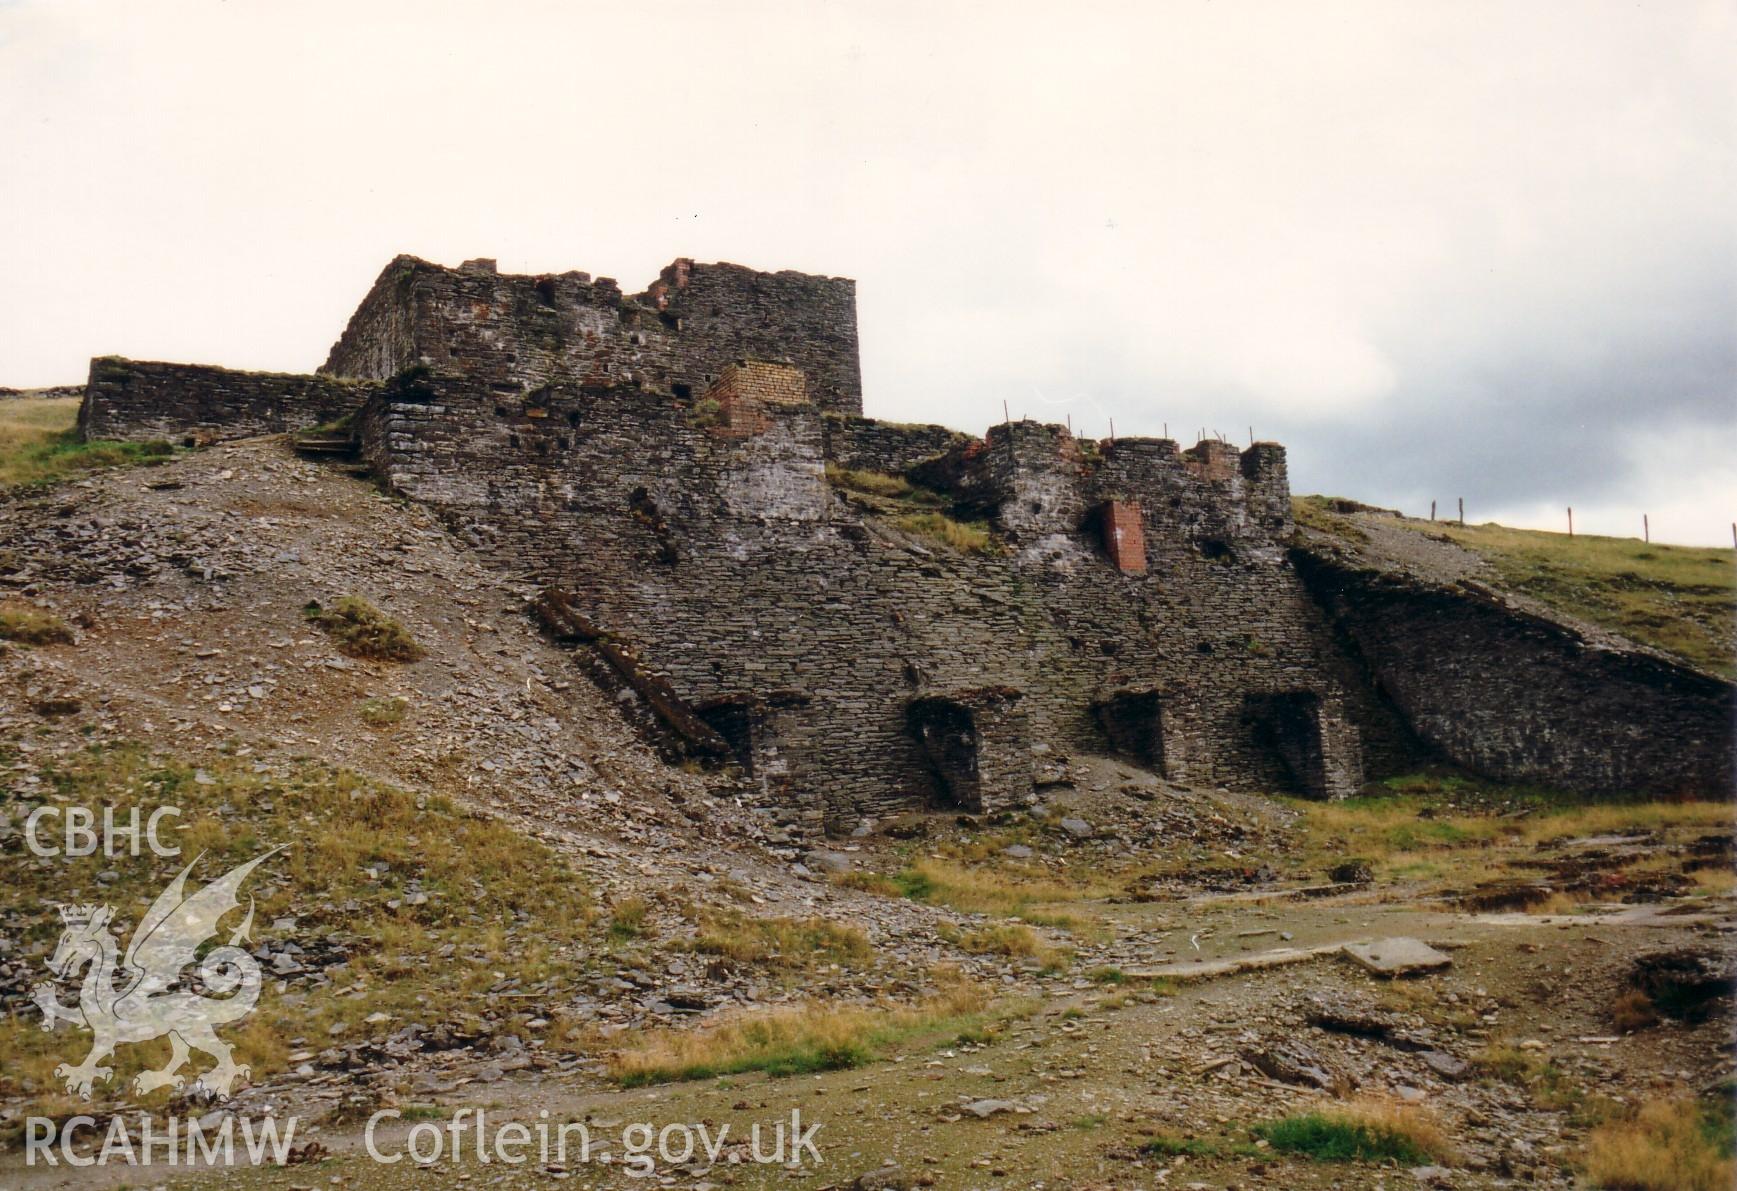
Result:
x=409 y=905
x=1549 y=1085
x=627 y=918
x=1169 y=1146
x=1328 y=1137
x=915 y=509
x=363 y=631
x=39 y=444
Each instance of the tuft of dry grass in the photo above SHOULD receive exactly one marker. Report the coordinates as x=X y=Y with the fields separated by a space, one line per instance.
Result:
x=797 y=1039
x=871 y=483
x=981 y=890
x=1714 y=881
x=965 y=537
x=1633 y=1010
x=1462 y=833
x=627 y=918
x=1015 y=941
x=781 y=942
x=363 y=631
x=27 y=624
x=1665 y=1145
x=383 y=713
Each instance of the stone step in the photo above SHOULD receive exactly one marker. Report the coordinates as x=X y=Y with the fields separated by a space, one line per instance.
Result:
x=326 y=446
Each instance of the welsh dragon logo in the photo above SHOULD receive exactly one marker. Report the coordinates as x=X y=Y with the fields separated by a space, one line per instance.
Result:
x=145 y=997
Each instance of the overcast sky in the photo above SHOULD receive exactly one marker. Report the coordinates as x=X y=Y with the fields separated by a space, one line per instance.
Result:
x=1438 y=249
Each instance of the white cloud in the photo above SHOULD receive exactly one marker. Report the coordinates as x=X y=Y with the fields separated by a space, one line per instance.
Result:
x=1350 y=224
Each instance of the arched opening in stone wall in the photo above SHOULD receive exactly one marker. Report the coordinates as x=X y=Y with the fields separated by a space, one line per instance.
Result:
x=1134 y=723
x=948 y=734
x=1286 y=728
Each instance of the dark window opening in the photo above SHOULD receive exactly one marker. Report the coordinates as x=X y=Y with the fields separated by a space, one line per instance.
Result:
x=684 y=391
x=735 y=723
x=1216 y=551
x=1134 y=722
x=1286 y=730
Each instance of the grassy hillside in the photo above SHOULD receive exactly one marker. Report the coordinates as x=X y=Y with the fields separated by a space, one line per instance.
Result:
x=405 y=909
x=39 y=443
x=1680 y=599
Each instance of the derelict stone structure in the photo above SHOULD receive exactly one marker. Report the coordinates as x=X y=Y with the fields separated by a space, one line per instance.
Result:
x=673 y=470
x=516 y=333
x=195 y=403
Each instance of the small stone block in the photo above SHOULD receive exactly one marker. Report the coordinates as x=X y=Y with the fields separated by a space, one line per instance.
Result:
x=1398 y=957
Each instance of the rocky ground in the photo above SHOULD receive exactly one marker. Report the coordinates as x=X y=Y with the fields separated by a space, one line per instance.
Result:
x=1179 y=977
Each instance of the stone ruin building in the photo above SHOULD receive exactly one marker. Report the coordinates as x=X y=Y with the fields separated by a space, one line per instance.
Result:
x=673 y=470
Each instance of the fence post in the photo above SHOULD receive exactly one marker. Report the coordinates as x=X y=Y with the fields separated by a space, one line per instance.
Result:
x=1570 y=520
x=1646 y=529
x=1432 y=510
x=1462 y=510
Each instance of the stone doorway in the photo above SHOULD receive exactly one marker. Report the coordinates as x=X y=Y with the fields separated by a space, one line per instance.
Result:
x=976 y=743
x=948 y=734
x=1286 y=728
x=1134 y=723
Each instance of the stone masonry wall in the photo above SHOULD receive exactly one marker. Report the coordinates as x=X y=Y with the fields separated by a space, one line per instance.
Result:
x=520 y=332
x=737 y=573
x=1521 y=698
x=726 y=311
x=136 y=401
